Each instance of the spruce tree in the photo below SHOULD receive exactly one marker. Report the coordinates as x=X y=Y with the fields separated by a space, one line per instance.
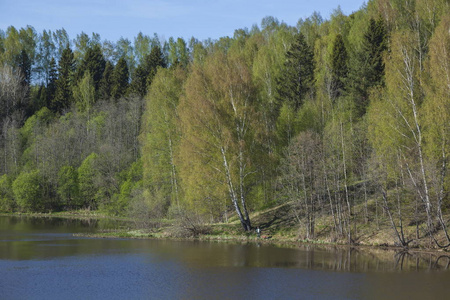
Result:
x=63 y=94
x=146 y=71
x=95 y=64
x=52 y=79
x=297 y=78
x=24 y=64
x=367 y=71
x=154 y=60
x=139 y=84
x=106 y=82
x=339 y=68
x=120 y=79
x=374 y=46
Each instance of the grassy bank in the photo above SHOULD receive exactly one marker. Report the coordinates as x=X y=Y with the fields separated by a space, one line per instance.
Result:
x=280 y=226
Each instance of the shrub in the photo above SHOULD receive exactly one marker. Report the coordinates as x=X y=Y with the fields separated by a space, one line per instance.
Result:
x=28 y=191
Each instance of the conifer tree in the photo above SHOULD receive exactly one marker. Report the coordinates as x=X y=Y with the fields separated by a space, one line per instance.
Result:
x=63 y=94
x=374 y=46
x=146 y=71
x=120 y=79
x=368 y=69
x=155 y=59
x=52 y=79
x=296 y=80
x=24 y=64
x=139 y=84
x=94 y=63
x=339 y=67
x=106 y=82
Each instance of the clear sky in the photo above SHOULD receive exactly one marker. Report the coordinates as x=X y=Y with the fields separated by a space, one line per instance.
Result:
x=202 y=19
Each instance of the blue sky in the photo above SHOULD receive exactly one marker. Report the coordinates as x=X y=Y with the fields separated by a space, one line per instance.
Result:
x=203 y=19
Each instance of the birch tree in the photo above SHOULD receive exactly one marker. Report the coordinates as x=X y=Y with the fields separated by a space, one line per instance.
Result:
x=218 y=114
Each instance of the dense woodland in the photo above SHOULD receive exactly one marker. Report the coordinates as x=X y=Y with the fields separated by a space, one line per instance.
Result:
x=346 y=118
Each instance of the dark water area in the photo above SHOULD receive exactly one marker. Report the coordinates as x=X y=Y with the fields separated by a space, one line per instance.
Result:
x=40 y=258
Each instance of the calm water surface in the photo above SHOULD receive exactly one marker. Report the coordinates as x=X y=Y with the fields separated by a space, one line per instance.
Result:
x=41 y=259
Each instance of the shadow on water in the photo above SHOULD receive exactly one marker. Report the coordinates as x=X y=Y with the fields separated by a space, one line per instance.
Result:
x=28 y=238
x=349 y=259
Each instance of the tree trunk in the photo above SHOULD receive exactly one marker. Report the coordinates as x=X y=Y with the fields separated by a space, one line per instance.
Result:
x=245 y=222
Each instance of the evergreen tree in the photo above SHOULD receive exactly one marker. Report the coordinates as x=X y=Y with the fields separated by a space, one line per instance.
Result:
x=52 y=79
x=63 y=94
x=153 y=61
x=120 y=79
x=374 y=46
x=146 y=71
x=297 y=78
x=139 y=84
x=24 y=64
x=339 y=68
x=106 y=82
x=94 y=63
x=367 y=71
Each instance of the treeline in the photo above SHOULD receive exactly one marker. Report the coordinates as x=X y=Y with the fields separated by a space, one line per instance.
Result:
x=346 y=118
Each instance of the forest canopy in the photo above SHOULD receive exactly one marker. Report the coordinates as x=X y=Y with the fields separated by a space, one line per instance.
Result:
x=342 y=118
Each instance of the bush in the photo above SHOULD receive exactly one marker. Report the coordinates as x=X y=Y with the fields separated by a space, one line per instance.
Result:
x=68 y=188
x=189 y=225
x=87 y=174
x=7 y=202
x=28 y=191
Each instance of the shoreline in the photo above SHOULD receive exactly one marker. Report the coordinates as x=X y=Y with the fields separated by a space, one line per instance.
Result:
x=163 y=233
x=243 y=239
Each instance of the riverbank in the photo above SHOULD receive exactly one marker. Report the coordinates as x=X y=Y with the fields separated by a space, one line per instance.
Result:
x=278 y=226
x=74 y=214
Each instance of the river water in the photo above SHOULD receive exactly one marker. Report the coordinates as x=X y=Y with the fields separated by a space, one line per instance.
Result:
x=40 y=258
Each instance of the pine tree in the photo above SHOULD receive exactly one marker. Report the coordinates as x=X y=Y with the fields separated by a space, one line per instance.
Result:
x=297 y=78
x=120 y=79
x=339 y=68
x=63 y=94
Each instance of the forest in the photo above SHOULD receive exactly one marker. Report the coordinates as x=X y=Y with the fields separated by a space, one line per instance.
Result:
x=345 y=119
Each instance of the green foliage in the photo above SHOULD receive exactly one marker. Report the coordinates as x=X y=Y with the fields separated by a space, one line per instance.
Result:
x=153 y=61
x=367 y=68
x=63 y=94
x=131 y=189
x=161 y=137
x=87 y=175
x=106 y=83
x=68 y=187
x=339 y=69
x=146 y=71
x=52 y=81
x=7 y=203
x=35 y=124
x=28 y=191
x=84 y=93
x=296 y=81
x=120 y=79
x=93 y=63
x=24 y=64
x=321 y=114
